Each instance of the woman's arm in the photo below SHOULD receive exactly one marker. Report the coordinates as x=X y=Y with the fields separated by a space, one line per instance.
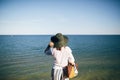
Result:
x=48 y=47
x=48 y=50
x=71 y=57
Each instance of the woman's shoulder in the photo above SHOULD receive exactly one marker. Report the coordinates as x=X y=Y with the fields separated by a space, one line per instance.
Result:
x=68 y=48
x=63 y=48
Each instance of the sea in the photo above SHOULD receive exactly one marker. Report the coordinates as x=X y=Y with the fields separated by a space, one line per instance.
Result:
x=22 y=57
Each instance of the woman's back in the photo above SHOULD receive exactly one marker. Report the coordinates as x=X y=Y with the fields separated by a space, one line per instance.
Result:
x=61 y=57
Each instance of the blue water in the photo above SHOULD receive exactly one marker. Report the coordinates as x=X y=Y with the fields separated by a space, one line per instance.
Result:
x=22 y=57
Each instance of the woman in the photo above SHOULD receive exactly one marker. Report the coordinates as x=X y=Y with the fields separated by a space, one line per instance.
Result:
x=61 y=53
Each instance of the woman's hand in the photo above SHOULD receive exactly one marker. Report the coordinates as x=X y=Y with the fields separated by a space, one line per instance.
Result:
x=51 y=44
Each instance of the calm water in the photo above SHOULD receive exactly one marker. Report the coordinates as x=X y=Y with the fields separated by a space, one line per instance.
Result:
x=22 y=57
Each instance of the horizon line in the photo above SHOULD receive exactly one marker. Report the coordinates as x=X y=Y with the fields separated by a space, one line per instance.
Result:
x=56 y=33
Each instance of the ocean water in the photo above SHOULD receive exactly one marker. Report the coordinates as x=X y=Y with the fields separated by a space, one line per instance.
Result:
x=22 y=57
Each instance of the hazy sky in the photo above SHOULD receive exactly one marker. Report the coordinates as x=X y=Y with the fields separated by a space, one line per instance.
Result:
x=65 y=16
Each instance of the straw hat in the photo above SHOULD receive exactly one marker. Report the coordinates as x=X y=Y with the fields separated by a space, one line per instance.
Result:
x=59 y=40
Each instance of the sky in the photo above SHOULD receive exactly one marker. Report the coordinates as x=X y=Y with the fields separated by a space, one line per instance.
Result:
x=64 y=16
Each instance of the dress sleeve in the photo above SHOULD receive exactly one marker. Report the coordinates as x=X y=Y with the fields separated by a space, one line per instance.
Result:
x=49 y=51
x=70 y=58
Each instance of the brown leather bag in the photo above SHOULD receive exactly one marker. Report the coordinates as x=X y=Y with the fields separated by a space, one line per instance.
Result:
x=72 y=70
x=69 y=71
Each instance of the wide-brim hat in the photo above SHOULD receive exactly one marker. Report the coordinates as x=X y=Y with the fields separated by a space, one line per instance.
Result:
x=59 y=40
